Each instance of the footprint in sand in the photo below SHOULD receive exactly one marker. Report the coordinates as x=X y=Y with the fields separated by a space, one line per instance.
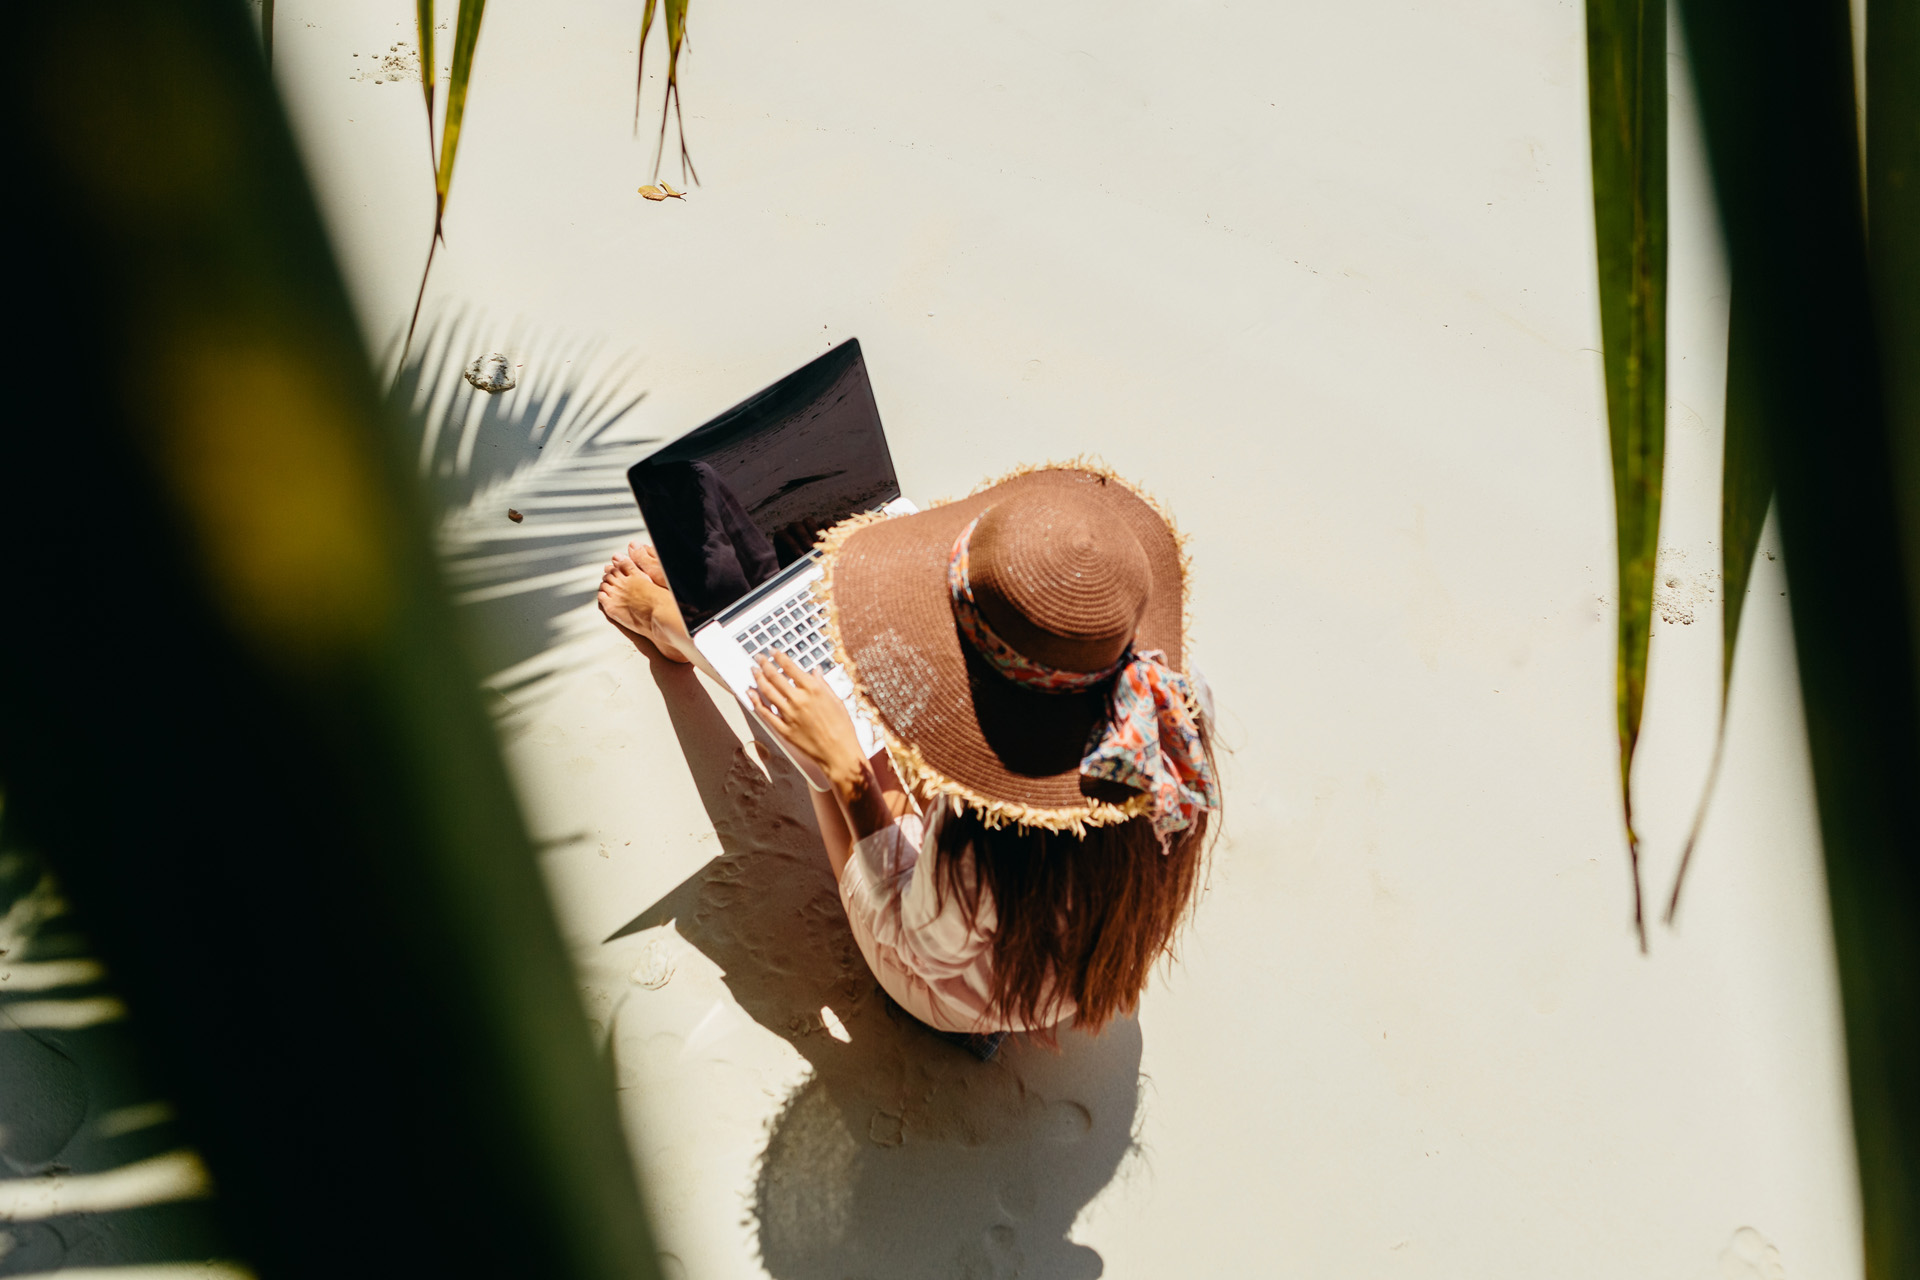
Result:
x=1065 y=1122
x=886 y=1129
x=1750 y=1256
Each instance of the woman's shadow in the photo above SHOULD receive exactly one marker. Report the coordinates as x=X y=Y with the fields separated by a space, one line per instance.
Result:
x=901 y=1155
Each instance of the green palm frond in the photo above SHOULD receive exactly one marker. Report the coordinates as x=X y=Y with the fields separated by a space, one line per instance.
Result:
x=1627 y=104
x=329 y=925
x=466 y=35
x=423 y=19
x=1778 y=102
x=1746 y=491
x=1893 y=230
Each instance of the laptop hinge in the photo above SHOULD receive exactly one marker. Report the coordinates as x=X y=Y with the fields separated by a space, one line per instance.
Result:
x=778 y=582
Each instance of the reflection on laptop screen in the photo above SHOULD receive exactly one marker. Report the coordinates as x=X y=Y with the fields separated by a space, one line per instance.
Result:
x=732 y=503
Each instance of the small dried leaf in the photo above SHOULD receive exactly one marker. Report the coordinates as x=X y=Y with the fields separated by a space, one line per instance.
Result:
x=677 y=195
x=653 y=193
x=514 y=516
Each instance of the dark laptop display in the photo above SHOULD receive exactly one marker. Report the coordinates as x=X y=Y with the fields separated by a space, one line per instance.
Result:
x=732 y=503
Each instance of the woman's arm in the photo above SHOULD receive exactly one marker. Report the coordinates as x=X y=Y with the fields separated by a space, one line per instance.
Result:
x=810 y=716
x=863 y=800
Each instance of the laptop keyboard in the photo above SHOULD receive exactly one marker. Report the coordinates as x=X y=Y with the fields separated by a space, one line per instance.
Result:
x=797 y=629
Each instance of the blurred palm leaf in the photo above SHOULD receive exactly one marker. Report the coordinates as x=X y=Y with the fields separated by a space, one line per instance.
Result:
x=69 y=1053
x=320 y=793
x=1893 y=229
x=1746 y=480
x=1627 y=104
x=1746 y=490
x=1889 y=922
x=1777 y=99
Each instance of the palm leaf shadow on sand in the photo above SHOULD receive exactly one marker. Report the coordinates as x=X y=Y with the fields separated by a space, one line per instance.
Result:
x=553 y=449
x=900 y=1155
x=95 y=1170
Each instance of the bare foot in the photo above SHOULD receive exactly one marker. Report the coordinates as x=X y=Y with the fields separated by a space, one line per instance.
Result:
x=634 y=598
x=643 y=555
x=647 y=648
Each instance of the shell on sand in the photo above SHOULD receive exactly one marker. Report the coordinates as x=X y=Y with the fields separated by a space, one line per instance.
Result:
x=655 y=969
x=491 y=373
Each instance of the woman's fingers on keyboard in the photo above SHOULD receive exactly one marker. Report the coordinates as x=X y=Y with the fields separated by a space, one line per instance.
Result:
x=799 y=673
x=768 y=685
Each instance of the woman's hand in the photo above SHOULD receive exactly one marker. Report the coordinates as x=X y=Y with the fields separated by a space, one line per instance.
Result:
x=810 y=716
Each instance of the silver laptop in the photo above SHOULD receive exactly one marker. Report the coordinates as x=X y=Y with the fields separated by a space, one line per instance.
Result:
x=735 y=506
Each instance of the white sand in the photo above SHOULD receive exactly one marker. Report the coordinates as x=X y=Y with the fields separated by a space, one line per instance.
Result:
x=1321 y=277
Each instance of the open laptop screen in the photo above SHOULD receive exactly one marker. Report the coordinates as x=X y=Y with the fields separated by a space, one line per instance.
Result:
x=735 y=501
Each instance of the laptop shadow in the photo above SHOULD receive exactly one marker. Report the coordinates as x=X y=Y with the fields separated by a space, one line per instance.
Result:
x=901 y=1155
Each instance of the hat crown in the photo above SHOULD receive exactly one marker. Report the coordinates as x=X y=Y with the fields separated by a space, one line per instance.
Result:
x=1059 y=578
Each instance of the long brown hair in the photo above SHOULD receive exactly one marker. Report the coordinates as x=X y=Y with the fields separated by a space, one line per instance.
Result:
x=1080 y=918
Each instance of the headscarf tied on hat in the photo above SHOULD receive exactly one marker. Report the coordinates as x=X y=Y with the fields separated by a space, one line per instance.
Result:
x=1150 y=742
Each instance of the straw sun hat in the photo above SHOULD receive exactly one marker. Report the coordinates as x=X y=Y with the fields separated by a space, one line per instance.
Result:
x=1024 y=650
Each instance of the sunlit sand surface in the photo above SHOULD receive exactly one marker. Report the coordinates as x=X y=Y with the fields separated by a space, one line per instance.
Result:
x=1318 y=276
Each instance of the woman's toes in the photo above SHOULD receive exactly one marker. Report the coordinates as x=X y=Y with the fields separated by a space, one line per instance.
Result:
x=648 y=561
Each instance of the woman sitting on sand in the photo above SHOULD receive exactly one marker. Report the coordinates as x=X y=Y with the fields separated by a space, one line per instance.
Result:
x=1022 y=651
